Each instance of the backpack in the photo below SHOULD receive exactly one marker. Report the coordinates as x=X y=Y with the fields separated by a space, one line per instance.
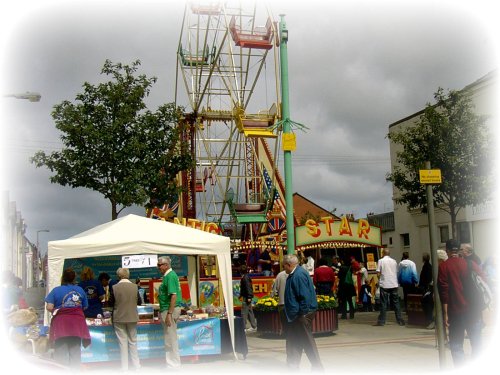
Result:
x=476 y=290
x=348 y=277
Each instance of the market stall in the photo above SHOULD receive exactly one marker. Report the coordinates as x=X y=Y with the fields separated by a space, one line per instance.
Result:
x=134 y=235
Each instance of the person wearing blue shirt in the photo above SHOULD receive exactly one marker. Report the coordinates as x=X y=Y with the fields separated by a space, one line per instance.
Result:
x=300 y=308
x=407 y=276
x=95 y=293
x=68 y=328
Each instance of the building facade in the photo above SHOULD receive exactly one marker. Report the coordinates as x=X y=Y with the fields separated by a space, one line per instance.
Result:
x=474 y=224
x=19 y=255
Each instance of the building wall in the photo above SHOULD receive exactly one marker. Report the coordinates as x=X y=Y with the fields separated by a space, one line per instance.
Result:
x=414 y=223
x=17 y=251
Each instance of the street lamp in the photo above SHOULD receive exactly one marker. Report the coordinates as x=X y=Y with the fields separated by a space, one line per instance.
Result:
x=31 y=96
x=38 y=251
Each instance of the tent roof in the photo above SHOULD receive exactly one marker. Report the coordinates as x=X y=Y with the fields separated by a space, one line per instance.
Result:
x=136 y=234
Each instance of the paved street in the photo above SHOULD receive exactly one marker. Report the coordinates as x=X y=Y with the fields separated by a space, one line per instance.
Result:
x=357 y=347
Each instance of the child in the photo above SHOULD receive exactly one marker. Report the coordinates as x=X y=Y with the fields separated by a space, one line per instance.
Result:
x=366 y=296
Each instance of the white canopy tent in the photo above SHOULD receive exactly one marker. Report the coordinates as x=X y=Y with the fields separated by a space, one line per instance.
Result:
x=133 y=235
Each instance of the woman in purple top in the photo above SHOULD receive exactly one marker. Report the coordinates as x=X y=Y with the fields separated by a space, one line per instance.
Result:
x=68 y=328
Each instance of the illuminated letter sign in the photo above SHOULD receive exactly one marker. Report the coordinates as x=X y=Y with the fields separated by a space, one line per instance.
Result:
x=345 y=228
x=329 y=229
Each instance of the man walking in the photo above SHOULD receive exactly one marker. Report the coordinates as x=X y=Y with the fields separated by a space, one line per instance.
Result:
x=169 y=296
x=300 y=309
x=407 y=276
x=278 y=290
x=387 y=270
x=425 y=287
x=246 y=296
x=459 y=313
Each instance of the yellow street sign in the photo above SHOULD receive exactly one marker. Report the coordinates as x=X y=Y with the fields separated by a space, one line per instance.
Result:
x=430 y=176
x=289 y=142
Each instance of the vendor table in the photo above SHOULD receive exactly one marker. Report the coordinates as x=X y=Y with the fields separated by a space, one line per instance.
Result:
x=196 y=337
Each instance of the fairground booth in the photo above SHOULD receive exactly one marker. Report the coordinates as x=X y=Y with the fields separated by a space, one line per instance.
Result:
x=207 y=325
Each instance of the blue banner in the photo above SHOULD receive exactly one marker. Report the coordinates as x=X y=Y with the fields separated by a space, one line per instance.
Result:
x=199 y=337
x=196 y=337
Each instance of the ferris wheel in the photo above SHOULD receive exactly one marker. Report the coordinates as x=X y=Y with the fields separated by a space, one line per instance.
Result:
x=228 y=73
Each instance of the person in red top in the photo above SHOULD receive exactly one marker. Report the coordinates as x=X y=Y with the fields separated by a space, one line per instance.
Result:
x=459 y=314
x=355 y=269
x=323 y=278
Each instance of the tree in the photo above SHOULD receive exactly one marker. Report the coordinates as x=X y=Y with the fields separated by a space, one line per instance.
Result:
x=455 y=140
x=114 y=145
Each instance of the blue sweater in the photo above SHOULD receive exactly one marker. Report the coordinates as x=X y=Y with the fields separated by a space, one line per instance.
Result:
x=300 y=297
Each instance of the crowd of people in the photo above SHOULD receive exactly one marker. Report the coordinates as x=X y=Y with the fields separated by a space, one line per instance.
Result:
x=71 y=304
x=356 y=290
x=295 y=289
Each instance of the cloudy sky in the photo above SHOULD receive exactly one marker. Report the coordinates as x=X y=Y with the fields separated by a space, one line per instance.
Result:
x=354 y=68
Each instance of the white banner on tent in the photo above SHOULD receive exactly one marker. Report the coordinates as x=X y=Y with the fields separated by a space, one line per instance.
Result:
x=139 y=261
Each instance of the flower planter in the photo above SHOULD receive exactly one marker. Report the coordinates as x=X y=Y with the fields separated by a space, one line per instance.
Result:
x=325 y=321
x=269 y=322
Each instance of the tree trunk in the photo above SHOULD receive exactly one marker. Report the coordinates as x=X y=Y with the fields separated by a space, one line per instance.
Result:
x=453 y=217
x=114 y=213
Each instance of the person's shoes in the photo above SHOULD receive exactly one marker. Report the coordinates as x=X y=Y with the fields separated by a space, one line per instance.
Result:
x=431 y=325
x=351 y=316
x=401 y=322
x=250 y=330
x=378 y=324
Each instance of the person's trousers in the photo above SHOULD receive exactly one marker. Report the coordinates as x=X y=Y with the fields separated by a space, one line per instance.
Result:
x=172 y=355
x=343 y=303
x=127 y=340
x=389 y=297
x=300 y=338
x=285 y=327
x=247 y=314
x=428 y=307
x=458 y=325
x=407 y=289
x=68 y=351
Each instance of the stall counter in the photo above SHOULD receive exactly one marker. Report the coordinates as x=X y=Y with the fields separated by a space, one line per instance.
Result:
x=196 y=337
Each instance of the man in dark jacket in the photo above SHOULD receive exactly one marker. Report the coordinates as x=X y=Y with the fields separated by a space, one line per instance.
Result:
x=300 y=309
x=459 y=313
x=246 y=296
x=425 y=287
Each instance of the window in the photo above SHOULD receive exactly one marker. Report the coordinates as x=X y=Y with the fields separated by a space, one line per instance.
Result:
x=405 y=239
x=390 y=240
x=444 y=233
x=463 y=232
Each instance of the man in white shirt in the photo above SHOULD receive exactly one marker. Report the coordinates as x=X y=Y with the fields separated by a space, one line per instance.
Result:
x=279 y=291
x=387 y=270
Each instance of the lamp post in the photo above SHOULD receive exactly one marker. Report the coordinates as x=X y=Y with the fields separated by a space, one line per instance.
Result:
x=31 y=96
x=39 y=258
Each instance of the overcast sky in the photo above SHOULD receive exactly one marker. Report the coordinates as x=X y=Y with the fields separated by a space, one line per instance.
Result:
x=354 y=68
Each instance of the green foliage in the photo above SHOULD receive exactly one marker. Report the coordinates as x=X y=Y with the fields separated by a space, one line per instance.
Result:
x=455 y=140
x=114 y=145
